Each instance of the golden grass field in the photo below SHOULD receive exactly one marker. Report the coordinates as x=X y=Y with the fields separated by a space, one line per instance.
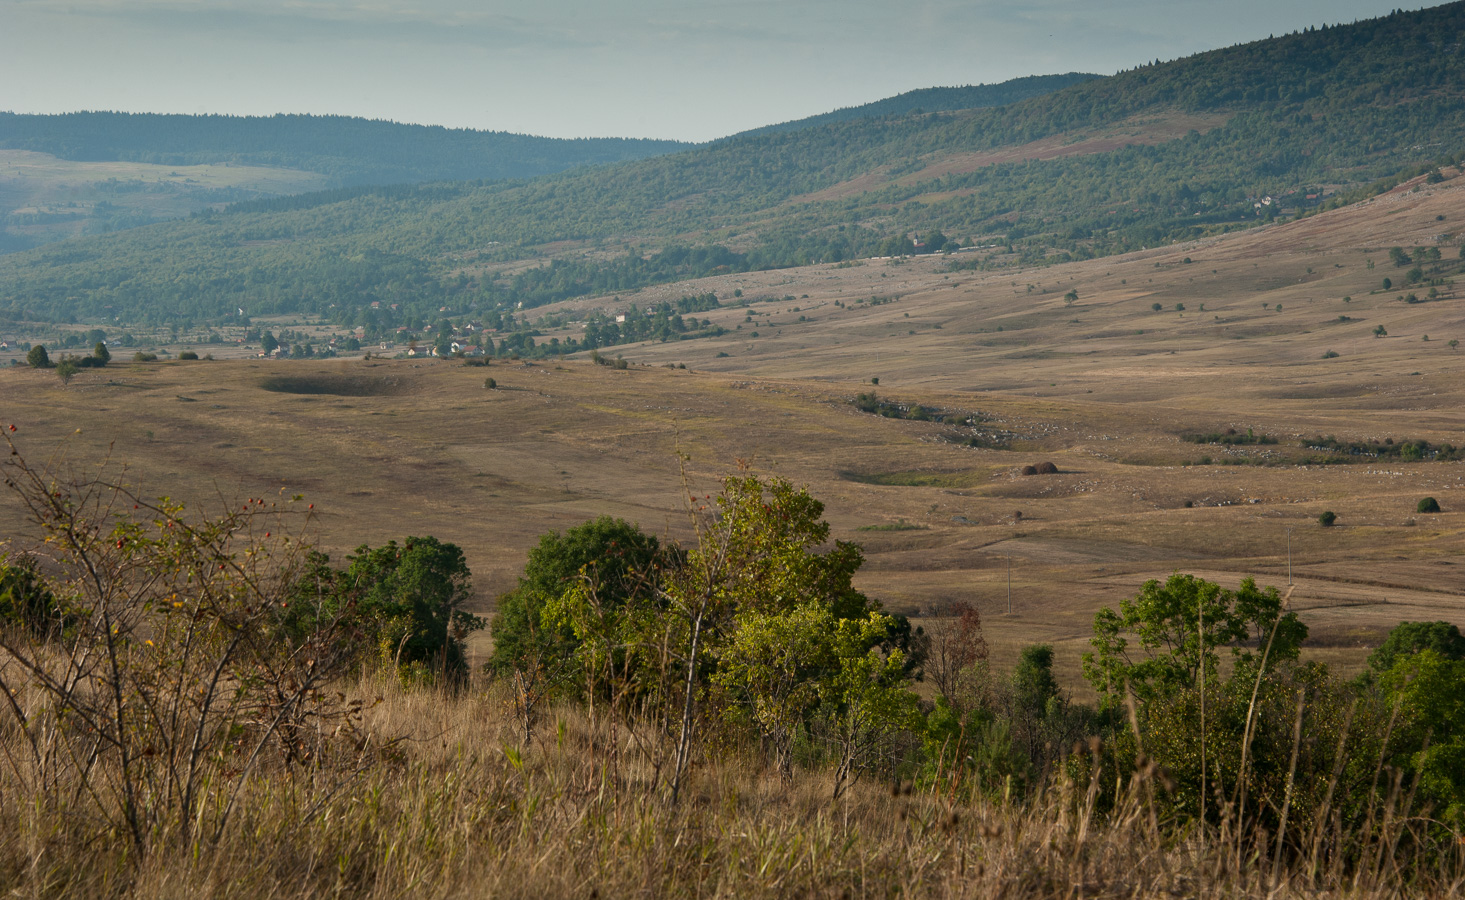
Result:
x=1103 y=388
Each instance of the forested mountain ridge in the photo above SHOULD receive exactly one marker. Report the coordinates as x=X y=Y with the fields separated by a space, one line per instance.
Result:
x=937 y=99
x=348 y=150
x=1332 y=106
x=108 y=171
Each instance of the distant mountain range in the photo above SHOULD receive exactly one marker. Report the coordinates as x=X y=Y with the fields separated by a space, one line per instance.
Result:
x=348 y=151
x=273 y=156
x=353 y=151
x=1159 y=153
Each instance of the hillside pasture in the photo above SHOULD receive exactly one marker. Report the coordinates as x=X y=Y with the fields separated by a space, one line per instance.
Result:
x=1110 y=391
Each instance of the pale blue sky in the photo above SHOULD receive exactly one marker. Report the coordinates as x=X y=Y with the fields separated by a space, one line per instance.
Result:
x=571 y=68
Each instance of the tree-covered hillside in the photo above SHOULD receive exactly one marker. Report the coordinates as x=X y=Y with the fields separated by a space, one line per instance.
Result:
x=938 y=99
x=1099 y=167
x=350 y=151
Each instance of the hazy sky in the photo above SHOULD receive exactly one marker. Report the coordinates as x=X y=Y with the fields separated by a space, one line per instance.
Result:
x=689 y=69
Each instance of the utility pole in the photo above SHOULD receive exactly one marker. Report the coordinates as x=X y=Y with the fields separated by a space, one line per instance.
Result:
x=1009 y=584
x=1289 y=556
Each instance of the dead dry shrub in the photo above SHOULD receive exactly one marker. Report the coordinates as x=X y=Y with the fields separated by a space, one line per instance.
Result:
x=175 y=688
x=957 y=656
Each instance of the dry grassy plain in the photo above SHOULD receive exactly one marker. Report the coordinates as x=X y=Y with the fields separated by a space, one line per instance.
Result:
x=1103 y=388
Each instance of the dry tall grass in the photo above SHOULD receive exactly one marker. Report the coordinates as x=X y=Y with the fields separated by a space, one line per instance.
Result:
x=460 y=809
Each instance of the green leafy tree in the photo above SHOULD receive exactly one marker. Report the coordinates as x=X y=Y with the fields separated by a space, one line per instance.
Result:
x=101 y=353
x=1408 y=638
x=1224 y=738
x=975 y=750
x=28 y=603
x=37 y=357
x=778 y=663
x=868 y=702
x=706 y=645
x=1429 y=688
x=617 y=560
x=1040 y=717
x=410 y=600
x=1033 y=684
x=268 y=343
x=754 y=557
x=1180 y=626
x=66 y=369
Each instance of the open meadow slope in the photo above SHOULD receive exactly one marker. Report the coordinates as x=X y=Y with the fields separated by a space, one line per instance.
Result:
x=1103 y=386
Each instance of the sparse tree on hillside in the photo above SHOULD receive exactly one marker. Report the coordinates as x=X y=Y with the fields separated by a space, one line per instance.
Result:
x=67 y=369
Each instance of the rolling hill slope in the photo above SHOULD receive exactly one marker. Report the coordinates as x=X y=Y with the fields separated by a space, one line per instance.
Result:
x=1165 y=152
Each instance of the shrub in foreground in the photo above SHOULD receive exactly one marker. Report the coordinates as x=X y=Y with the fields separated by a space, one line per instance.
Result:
x=167 y=691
